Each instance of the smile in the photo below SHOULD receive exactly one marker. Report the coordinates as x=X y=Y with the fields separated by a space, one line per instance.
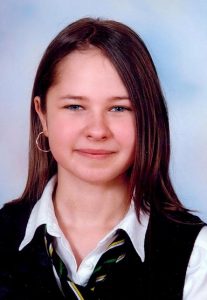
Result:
x=95 y=153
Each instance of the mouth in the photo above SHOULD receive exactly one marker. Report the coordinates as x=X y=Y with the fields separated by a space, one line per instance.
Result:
x=95 y=153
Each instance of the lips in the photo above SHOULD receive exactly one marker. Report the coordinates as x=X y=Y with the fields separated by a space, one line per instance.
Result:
x=95 y=153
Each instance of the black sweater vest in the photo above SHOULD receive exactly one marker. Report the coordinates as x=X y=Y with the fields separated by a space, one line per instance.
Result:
x=28 y=274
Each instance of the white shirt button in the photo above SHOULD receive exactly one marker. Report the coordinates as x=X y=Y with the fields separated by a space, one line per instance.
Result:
x=89 y=265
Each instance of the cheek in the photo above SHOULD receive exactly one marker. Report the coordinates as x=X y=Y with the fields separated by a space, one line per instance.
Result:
x=57 y=131
x=126 y=133
x=126 y=138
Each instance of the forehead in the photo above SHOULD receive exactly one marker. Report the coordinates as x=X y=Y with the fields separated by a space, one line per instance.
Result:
x=89 y=55
x=88 y=68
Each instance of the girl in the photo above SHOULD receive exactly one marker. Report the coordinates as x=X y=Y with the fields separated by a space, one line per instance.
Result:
x=99 y=218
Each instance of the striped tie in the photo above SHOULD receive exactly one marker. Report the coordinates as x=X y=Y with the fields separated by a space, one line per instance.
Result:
x=114 y=255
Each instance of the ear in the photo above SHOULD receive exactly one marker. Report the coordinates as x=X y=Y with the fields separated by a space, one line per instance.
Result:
x=42 y=116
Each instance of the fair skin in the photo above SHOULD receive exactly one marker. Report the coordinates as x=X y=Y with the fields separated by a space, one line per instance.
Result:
x=90 y=125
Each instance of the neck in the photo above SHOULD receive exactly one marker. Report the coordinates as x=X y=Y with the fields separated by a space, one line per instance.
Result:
x=83 y=203
x=86 y=212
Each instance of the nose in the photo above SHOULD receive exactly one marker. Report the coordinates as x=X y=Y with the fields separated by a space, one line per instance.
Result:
x=97 y=127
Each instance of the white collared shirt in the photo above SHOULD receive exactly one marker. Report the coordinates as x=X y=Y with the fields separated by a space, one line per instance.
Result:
x=43 y=213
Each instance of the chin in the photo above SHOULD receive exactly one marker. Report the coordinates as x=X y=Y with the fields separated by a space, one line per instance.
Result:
x=96 y=178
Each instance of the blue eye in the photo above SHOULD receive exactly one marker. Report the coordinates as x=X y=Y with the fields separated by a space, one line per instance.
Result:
x=74 y=107
x=120 y=108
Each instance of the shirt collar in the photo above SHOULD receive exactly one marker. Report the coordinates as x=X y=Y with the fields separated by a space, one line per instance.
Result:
x=43 y=213
x=136 y=230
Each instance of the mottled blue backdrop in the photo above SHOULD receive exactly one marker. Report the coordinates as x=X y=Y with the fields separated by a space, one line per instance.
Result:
x=176 y=35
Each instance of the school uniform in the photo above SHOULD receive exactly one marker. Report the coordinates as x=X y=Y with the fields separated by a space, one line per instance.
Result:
x=155 y=263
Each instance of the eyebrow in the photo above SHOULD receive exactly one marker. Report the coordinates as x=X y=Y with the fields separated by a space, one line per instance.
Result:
x=76 y=97
x=72 y=97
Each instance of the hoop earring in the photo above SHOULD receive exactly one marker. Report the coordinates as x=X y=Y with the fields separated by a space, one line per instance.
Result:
x=37 y=143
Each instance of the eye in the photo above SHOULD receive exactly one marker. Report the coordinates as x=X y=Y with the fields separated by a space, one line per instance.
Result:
x=120 y=108
x=74 y=107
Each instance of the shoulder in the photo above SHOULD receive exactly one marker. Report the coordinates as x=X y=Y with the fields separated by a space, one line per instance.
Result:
x=14 y=210
x=184 y=221
x=201 y=240
x=169 y=243
x=196 y=274
x=175 y=230
x=13 y=219
x=199 y=254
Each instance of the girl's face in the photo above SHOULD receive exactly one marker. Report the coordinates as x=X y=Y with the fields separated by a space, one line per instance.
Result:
x=89 y=120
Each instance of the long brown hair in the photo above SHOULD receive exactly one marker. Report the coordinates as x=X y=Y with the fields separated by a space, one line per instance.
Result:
x=150 y=182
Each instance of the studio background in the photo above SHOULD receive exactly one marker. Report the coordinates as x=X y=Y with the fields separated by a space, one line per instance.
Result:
x=175 y=33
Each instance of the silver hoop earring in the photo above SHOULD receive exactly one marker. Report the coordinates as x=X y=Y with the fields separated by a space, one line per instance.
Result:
x=37 y=143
